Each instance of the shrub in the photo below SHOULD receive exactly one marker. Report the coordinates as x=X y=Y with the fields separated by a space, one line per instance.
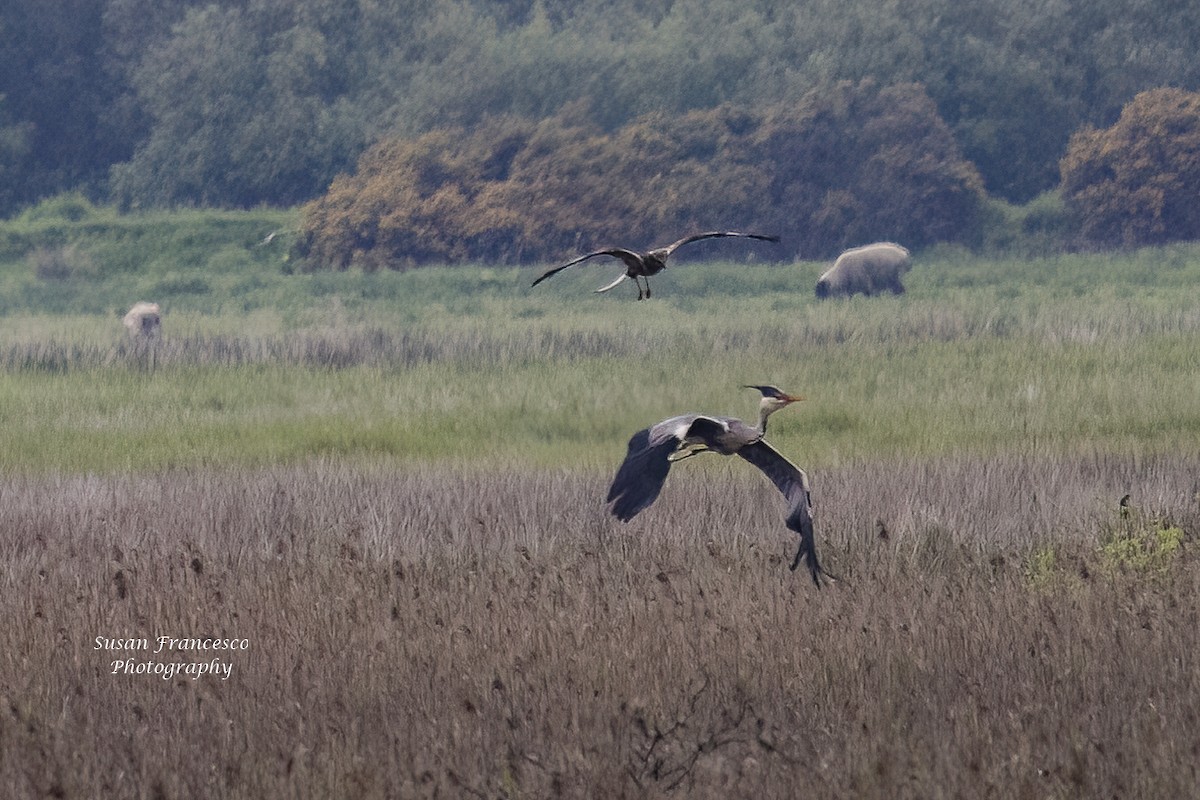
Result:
x=1140 y=543
x=414 y=201
x=1142 y=546
x=69 y=207
x=1136 y=183
x=858 y=163
x=1037 y=228
x=847 y=165
x=1041 y=566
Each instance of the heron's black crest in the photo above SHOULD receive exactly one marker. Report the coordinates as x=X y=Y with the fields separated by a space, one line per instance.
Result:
x=767 y=391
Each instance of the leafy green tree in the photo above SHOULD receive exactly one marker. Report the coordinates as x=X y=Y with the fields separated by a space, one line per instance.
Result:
x=15 y=146
x=56 y=91
x=241 y=109
x=1010 y=98
x=1137 y=182
x=240 y=102
x=1127 y=48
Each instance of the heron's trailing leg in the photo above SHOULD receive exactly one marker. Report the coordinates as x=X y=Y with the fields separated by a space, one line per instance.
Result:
x=688 y=450
x=817 y=572
x=799 y=556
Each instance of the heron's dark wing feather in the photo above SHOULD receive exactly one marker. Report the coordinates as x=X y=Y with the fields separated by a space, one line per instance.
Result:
x=641 y=476
x=663 y=252
x=707 y=429
x=793 y=483
x=616 y=252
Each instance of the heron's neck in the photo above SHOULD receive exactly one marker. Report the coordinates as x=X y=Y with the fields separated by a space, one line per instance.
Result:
x=764 y=411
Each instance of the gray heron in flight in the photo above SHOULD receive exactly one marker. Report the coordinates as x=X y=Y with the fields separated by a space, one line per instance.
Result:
x=652 y=451
x=643 y=265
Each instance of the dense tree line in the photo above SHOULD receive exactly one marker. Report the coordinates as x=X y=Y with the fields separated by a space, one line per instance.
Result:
x=244 y=102
x=845 y=164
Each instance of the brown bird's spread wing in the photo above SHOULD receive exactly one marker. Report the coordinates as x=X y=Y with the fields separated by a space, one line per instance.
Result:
x=793 y=483
x=663 y=252
x=616 y=252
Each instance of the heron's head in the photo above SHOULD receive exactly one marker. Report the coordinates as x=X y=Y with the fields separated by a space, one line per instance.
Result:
x=774 y=398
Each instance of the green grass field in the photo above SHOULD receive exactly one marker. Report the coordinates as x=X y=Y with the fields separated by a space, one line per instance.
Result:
x=260 y=366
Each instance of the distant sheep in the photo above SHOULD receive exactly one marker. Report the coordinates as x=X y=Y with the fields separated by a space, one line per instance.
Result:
x=143 y=320
x=869 y=269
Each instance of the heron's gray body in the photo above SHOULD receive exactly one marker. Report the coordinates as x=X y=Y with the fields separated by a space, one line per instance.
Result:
x=640 y=478
x=870 y=269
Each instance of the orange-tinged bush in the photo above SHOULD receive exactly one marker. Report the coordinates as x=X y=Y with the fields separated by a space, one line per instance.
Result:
x=1138 y=181
x=850 y=164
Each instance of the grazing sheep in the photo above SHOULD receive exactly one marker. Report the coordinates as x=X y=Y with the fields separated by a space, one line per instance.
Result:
x=143 y=320
x=869 y=269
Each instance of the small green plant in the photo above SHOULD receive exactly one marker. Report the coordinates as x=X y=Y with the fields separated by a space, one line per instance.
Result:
x=1142 y=545
x=1041 y=566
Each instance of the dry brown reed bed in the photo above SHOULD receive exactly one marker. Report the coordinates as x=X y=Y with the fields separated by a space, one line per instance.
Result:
x=437 y=632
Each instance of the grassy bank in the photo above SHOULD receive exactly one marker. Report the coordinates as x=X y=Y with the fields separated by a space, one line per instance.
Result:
x=885 y=377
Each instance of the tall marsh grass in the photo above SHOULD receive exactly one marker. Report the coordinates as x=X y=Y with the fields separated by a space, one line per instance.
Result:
x=437 y=632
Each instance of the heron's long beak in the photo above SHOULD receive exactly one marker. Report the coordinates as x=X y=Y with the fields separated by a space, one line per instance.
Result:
x=794 y=398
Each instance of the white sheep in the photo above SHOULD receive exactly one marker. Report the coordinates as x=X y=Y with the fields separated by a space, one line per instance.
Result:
x=870 y=269
x=143 y=320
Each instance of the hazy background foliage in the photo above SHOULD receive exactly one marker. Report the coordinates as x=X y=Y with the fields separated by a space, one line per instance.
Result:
x=1137 y=181
x=236 y=104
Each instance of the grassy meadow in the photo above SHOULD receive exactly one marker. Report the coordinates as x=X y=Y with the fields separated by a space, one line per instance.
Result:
x=391 y=486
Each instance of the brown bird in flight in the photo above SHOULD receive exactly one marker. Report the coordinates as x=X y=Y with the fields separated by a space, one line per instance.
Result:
x=643 y=265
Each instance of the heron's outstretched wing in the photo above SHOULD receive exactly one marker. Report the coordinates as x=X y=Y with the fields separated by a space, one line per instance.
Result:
x=616 y=252
x=641 y=475
x=793 y=483
x=663 y=252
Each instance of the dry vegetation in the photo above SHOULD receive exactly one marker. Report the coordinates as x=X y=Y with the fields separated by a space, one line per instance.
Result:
x=439 y=632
